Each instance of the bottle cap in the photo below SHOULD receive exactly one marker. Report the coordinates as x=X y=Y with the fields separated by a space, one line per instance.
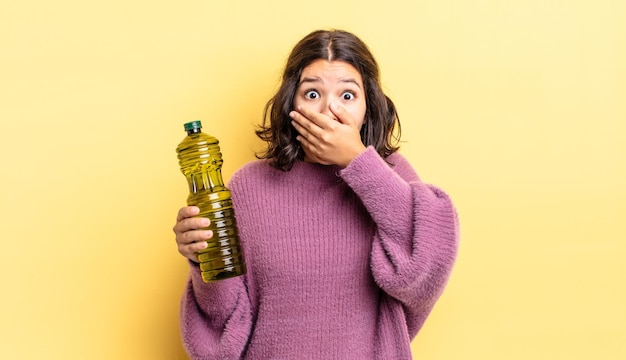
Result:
x=196 y=124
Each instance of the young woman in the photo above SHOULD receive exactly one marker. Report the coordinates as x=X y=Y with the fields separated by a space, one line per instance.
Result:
x=347 y=249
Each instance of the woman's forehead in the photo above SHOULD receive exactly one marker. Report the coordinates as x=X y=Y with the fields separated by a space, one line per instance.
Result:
x=331 y=71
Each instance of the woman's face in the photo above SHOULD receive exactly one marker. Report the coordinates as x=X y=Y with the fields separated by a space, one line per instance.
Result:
x=324 y=82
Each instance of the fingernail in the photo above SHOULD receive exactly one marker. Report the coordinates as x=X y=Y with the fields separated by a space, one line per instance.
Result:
x=206 y=222
x=208 y=234
x=334 y=106
x=292 y=114
x=204 y=245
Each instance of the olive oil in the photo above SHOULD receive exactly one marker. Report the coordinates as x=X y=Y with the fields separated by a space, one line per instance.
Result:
x=201 y=162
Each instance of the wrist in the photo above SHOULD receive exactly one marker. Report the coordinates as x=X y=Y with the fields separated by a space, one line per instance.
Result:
x=355 y=153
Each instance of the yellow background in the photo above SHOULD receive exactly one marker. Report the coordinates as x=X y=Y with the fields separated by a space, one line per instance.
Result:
x=515 y=108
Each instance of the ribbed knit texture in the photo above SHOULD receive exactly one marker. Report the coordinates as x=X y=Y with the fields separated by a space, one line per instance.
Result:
x=342 y=264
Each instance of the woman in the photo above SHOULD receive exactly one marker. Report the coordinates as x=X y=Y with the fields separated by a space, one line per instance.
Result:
x=347 y=249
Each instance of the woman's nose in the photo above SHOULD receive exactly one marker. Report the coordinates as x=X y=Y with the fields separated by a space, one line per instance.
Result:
x=325 y=109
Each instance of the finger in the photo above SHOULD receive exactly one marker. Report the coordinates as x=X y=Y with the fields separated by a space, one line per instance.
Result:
x=192 y=223
x=300 y=129
x=193 y=236
x=342 y=115
x=186 y=212
x=313 y=118
x=190 y=251
x=304 y=142
x=310 y=130
x=312 y=151
x=306 y=132
x=301 y=123
x=305 y=137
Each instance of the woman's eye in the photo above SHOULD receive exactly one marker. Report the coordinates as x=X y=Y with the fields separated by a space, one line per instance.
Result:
x=311 y=95
x=347 y=96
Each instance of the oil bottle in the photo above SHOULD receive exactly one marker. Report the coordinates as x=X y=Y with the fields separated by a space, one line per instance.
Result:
x=201 y=162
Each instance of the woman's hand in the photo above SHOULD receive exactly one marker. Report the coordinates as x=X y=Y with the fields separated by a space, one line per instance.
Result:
x=191 y=236
x=326 y=140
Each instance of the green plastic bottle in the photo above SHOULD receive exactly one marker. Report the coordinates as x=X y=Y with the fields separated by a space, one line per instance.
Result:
x=201 y=161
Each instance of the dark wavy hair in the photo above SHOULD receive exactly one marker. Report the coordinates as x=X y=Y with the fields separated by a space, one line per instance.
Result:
x=381 y=126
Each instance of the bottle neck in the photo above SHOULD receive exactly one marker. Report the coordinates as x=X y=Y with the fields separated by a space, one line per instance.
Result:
x=193 y=131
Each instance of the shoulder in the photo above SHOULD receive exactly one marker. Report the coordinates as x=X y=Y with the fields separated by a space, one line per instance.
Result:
x=252 y=171
x=256 y=175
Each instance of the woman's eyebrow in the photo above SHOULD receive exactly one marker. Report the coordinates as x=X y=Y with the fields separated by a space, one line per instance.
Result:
x=350 y=80
x=310 y=80
x=317 y=80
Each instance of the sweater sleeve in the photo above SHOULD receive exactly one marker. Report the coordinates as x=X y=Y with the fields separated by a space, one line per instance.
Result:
x=416 y=239
x=215 y=318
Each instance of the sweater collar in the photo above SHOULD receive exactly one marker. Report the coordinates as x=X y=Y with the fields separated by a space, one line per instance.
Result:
x=315 y=170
